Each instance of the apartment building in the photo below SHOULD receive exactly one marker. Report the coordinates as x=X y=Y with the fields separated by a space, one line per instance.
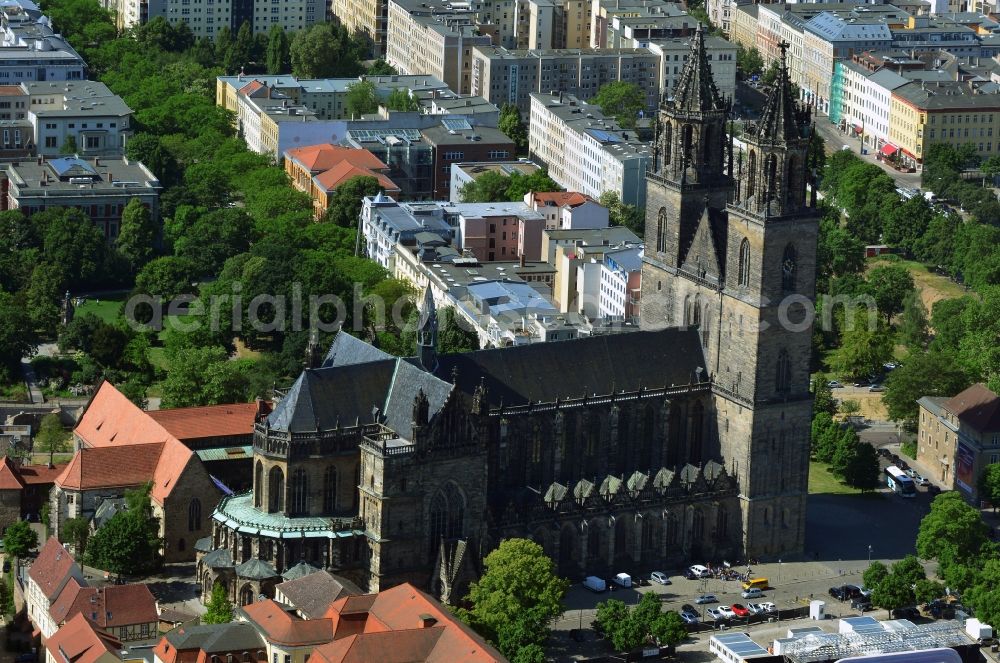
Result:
x=97 y=121
x=578 y=258
x=556 y=24
x=456 y=140
x=49 y=574
x=604 y=12
x=386 y=225
x=31 y=50
x=568 y=210
x=953 y=112
x=434 y=39
x=503 y=76
x=586 y=151
x=720 y=13
x=867 y=101
x=743 y=25
x=636 y=30
x=721 y=55
x=206 y=18
x=621 y=283
x=958 y=437
x=101 y=187
x=367 y=19
x=933 y=33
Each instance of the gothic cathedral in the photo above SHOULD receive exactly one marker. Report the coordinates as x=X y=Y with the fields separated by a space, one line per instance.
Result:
x=730 y=251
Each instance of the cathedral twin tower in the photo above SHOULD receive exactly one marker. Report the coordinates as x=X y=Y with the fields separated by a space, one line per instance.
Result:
x=731 y=249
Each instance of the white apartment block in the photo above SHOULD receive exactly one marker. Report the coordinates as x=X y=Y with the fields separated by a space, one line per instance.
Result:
x=867 y=101
x=621 y=278
x=32 y=51
x=585 y=151
x=435 y=40
x=96 y=119
x=674 y=53
x=720 y=13
x=206 y=18
x=503 y=77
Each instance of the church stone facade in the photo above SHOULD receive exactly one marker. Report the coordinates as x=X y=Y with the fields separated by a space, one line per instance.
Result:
x=684 y=442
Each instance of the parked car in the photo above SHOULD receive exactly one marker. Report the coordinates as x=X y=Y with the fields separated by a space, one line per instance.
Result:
x=716 y=614
x=755 y=608
x=921 y=480
x=740 y=610
x=845 y=592
x=767 y=606
x=933 y=489
x=910 y=472
x=833 y=384
x=595 y=584
x=690 y=617
x=706 y=598
x=727 y=611
x=861 y=383
x=903 y=465
x=876 y=388
x=752 y=593
x=905 y=613
x=890 y=365
x=687 y=607
x=861 y=604
x=884 y=453
x=699 y=571
x=660 y=577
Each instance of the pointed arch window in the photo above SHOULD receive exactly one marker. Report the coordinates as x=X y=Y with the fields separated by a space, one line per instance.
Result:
x=668 y=142
x=788 y=269
x=194 y=515
x=258 y=484
x=299 y=492
x=686 y=141
x=744 y=269
x=783 y=373
x=704 y=327
x=661 y=230
x=791 y=181
x=751 y=175
x=275 y=490
x=330 y=489
x=771 y=175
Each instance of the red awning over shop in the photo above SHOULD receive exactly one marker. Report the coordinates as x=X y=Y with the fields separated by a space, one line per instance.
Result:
x=888 y=150
x=858 y=128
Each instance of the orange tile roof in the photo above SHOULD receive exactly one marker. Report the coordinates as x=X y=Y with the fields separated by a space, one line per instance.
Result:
x=61 y=609
x=399 y=611
x=12 y=91
x=111 y=467
x=79 y=642
x=330 y=179
x=115 y=605
x=40 y=474
x=51 y=569
x=316 y=158
x=561 y=198
x=282 y=627
x=10 y=479
x=111 y=419
x=190 y=423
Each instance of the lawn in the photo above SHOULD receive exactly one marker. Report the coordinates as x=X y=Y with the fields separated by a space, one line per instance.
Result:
x=822 y=481
x=933 y=287
x=107 y=308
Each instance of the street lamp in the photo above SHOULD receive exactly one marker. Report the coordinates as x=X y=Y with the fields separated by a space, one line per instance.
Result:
x=779 y=571
x=869 y=555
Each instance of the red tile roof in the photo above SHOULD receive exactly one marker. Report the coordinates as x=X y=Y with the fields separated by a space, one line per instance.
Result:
x=61 y=609
x=51 y=568
x=191 y=423
x=111 y=467
x=12 y=91
x=330 y=179
x=112 y=420
x=79 y=642
x=316 y=158
x=281 y=627
x=561 y=198
x=976 y=407
x=10 y=478
x=34 y=475
x=115 y=605
x=372 y=620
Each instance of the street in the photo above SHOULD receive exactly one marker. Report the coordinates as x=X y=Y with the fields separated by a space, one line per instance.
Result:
x=836 y=139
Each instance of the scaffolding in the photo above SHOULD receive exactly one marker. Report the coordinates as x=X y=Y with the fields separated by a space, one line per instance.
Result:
x=894 y=636
x=837 y=93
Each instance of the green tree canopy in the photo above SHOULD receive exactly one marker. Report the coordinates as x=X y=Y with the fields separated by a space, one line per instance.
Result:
x=953 y=531
x=511 y=124
x=628 y=629
x=517 y=597
x=988 y=484
x=19 y=539
x=74 y=532
x=69 y=146
x=326 y=50
x=862 y=470
x=137 y=235
x=493 y=187
x=749 y=62
x=865 y=346
x=17 y=336
x=128 y=543
x=219 y=607
x=344 y=203
x=401 y=100
x=623 y=214
x=381 y=68
x=360 y=99
x=893 y=592
x=279 y=59
x=622 y=100
x=925 y=373
x=890 y=285
x=875 y=574
x=454 y=334
x=52 y=437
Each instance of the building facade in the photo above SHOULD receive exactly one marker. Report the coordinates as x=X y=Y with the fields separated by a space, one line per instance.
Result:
x=674 y=53
x=726 y=244
x=367 y=19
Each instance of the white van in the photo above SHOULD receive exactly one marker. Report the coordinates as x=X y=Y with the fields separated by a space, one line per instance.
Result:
x=623 y=580
x=595 y=584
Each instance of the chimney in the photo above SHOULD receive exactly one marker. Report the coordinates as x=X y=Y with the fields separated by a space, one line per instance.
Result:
x=523 y=260
x=427 y=621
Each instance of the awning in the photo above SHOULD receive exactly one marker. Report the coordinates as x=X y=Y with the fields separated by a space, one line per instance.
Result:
x=888 y=150
x=858 y=128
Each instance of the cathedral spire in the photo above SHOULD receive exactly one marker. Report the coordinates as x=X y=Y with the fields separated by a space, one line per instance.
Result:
x=783 y=119
x=427 y=330
x=695 y=90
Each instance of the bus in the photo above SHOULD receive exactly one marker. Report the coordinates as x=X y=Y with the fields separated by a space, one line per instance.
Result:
x=898 y=482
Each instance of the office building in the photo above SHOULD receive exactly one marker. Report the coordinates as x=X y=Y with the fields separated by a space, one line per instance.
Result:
x=673 y=54
x=455 y=140
x=87 y=113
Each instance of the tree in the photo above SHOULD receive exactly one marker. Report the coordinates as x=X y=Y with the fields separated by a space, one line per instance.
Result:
x=889 y=285
x=911 y=570
x=512 y=126
x=73 y=242
x=521 y=184
x=400 y=100
x=953 y=531
x=137 y=235
x=325 y=51
x=925 y=373
x=623 y=214
x=913 y=327
x=517 y=597
x=381 y=68
x=19 y=539
x=893 y=592
x=205 y=376
x=823 y=400
x=621 y=99
x=453 y=334
x=166 y=277
x=988 y=485
x=490 y=187
x=749 y=62
x=864 y=347
x=17 y=337
x=344 y=202
x=278 y=51
x=668 y=629
x=360 y=99
x=219 y=607
x=627 y=629
x=863 y=470
x=128 y=543
x=844 y=451
x=75 y=532
x=69 y=147
x=52 y=437
x=875 y=574
x=42 y=297
x=928 y=590
x=610 y=619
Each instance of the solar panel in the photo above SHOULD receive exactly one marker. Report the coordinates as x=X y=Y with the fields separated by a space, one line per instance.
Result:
x=374 y=135
x=604 y=136
x=456 y=124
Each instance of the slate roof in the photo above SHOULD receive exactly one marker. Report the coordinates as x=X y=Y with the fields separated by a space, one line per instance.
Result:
x=312 y=595
x=346 y=350
x=256 y=569
x=300 y=570
x=203 y=544
x=209 y=638
x=218 y=559
x=976 y=407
